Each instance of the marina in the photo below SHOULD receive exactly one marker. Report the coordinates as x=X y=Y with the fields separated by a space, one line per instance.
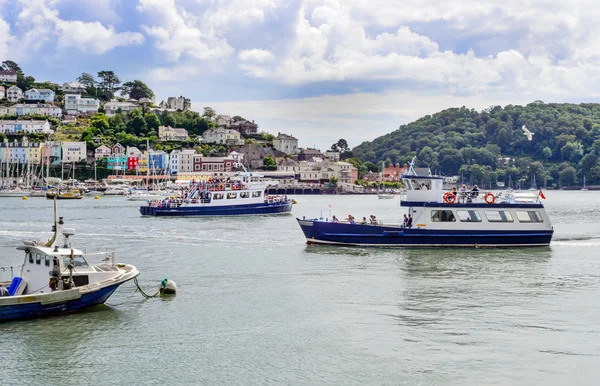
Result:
x=281 y=309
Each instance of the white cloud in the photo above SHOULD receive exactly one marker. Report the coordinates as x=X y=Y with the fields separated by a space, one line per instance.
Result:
x=177 y=32
x=42 y=23
x=5 y=38
x=256 y=55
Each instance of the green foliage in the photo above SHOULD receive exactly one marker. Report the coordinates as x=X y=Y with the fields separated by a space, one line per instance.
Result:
x=109 y=83
x=461 y=141
x=136 y=89
x=209 y=112
x=268 y=161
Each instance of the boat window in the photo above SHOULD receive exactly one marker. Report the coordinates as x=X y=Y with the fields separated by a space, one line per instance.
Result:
x=80 y=261
x=218 y=196
x=529 y=216
x=498 y=216
x=245 y=195
x=38 y=258
x=256 y=193
x=468 y=215
x=47 y=261
x=231 y=196
x=31 y=257
x=442 y=215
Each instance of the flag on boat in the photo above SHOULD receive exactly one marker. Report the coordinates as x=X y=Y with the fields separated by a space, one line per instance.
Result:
x=542 y=195
x=330 y=206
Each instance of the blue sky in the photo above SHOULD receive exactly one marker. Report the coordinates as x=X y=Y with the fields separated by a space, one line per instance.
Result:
x=317 y=69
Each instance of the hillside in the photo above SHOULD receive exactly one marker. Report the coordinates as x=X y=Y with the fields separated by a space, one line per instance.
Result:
x=489 y=146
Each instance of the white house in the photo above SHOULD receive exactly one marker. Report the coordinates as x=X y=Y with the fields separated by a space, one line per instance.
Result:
x=167 y=133
x=49 y=110
x=186 y=161
x=73 y=88
x=40 y=94
x=223 y=120
x=7 y=74
x=112 y=108
x=174 y=161
x=238 y=158
x=133 y=151
x=24 y=126
x=333 y=155
x=223 y=137
x=102 y=152
x=3 y=111
x=75 y=104
x=14 y=93
x=285 y=143
x=74 y=151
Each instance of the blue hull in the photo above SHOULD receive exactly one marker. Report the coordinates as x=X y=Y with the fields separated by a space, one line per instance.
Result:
x=228 y=210
x=38 y=310
x=318 y=232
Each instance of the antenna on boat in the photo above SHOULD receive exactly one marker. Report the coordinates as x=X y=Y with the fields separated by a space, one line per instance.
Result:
x=54 y=228
x=411 y=167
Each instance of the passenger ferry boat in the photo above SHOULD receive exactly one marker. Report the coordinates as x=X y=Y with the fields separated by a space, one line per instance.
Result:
x=445 y=219
x=57 y=278
x=244 y=195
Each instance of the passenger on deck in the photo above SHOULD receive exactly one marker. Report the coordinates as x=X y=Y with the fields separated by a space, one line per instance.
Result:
x=409 y=223
x=405 y=221
x=351 y=219
x=463 y=194
x=334 y=219
x=373 y=220
x=364 y=221
x=473 y=195
x=3 y=291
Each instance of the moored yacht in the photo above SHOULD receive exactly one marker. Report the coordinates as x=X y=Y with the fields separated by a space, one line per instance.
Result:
x=439 y=218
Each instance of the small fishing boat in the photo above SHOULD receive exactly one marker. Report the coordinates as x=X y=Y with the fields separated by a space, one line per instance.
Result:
x=15 y=192
x=71 y=194
x=57 y=278
x=241 y=196
x=438 y=218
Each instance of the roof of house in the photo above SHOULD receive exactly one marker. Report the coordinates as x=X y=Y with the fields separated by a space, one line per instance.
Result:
x=224 y=117
x=102 y=147
x=74 y=84
x=14 y=87
x=285 y=136
x=10 y=122
x=288 y=162
x=310 y=151
x=145 y=100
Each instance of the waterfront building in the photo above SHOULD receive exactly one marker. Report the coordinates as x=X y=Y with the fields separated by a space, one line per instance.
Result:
x=212 y=164
x=309 y=155
x=285 y=143
x=21 y=152
x=102 y=152
x=11 y=127
x=117 y=161
x=52 y=153
x=74 y=151
x=2 y=92
x=75 y=104
x=41 y=94
x=186 y=161
x=118 y=149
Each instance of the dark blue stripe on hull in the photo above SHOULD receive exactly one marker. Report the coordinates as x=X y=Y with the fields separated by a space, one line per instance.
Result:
x=36 y=310
x=229 y=210
x=368 y=235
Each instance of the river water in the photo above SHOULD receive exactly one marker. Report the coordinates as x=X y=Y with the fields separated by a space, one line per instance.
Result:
x=256 y=305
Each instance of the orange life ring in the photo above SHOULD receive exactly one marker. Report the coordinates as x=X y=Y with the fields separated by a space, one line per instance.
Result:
x=489 y=198
x=449 y=198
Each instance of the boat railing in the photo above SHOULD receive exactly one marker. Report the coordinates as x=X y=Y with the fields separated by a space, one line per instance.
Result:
x=109 y=255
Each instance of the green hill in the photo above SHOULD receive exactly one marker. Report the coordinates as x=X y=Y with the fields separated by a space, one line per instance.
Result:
x=489 y=146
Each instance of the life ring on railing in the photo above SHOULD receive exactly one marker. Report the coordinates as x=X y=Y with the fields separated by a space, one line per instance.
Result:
x=449 y=198
x=489 y=198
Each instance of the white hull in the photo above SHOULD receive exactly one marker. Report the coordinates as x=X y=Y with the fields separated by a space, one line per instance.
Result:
x=14 y=194
x=385 y=196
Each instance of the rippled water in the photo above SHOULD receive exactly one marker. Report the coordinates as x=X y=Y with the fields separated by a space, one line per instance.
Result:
x=258 y=306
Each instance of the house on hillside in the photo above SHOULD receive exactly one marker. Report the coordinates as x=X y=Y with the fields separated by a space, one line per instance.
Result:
x=285 y=143
x=14 y=94
x=2 y=92
x=102 y=152
x=309 y=155
x=41 y=94
x=118 y=149
x=73 y=88
x=75 y=104
x=222 y=136
x=223 y=121
x=113 y=107
x=245 y=127
x=168 y=133
x=7 y=74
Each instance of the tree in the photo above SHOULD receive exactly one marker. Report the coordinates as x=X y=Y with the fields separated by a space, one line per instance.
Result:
x=12 y=65
x=567 y=176
x=152 y=121
x=170 y=121
x=137 y=90
x=209 y=112
x=237 y=118
x=268 y=161
x=547 y=152
x=137 y=126
x=87 y=80
x=109 y=83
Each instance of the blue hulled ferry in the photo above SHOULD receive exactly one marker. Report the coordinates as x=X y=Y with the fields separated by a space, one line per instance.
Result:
x=240 y=196
x=439 y=218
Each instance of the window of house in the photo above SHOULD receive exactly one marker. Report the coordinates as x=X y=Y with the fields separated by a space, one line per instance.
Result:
x=498 y=216
x=468 y=215
x=529 y=216
x=442 y=216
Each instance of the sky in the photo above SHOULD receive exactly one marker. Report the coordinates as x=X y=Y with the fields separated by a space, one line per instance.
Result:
x=319 y=70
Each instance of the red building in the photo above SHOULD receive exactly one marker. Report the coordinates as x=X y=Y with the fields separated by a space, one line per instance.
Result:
x=393 y=173
x=132 y=163
x=212 y=164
